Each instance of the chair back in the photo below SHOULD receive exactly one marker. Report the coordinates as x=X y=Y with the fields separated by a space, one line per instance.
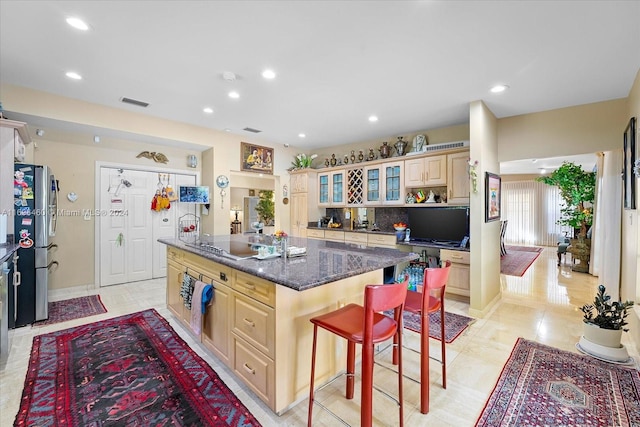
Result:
x=436 y=278
x=380 y=298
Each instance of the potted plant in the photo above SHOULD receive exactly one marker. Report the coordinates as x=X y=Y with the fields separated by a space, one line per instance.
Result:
x=605 y=320
x=577 y=189
x=266 y=207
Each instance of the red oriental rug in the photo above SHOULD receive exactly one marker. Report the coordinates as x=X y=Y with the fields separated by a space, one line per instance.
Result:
x=454 y=324
x=74 y=308
x=546 y=386
x=131 y=370
x=518 y=259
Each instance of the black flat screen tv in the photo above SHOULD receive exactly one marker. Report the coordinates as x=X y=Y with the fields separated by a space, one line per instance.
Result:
x=441 y=225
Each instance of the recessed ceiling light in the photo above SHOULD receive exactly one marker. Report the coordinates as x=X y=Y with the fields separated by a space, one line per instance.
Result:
x=543 y=170
x=73 y=75
x=227 y=130
x=302 y=135
x=39 y=132
x=499 y=88
x=96 y=139
x=373 y=118
x=208 y=110
x=77 y=23
x=269 y=74
x=234 y=95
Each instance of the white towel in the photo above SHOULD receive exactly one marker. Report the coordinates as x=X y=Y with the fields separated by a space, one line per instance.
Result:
x=196 y=307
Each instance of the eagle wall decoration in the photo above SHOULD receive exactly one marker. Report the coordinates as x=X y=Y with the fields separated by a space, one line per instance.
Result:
x=157 y=157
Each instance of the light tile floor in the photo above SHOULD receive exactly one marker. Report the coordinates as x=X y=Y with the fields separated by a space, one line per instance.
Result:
x=543 y=305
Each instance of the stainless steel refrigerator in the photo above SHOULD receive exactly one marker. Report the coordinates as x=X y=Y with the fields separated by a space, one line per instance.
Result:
x=35 y=191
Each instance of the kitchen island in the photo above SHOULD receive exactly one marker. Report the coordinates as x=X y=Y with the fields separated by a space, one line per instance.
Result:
x=258 y=321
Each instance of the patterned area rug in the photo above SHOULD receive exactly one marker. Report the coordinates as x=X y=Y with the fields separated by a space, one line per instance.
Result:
x=74 y=308
x=453 y=326
x=518 y=259
x=132 y=370
x=545 y=386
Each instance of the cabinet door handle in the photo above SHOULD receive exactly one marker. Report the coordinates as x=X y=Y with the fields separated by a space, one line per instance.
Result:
x=249 y=369
x=249 y=322
x=456 y=256
x=250 y=286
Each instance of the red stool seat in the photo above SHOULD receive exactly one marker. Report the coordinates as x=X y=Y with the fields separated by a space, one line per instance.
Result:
x=367 y=326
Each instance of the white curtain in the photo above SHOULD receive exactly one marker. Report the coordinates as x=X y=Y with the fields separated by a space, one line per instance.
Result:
x=532 y=209
x=606 y=248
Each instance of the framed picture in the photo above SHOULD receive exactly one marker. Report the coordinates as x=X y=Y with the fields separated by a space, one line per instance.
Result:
x=255 y=158
x=629 y=156
x=492 y=196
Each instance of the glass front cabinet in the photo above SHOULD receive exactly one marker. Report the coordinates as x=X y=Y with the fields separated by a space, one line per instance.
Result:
x=392 y=190
x=331 y=188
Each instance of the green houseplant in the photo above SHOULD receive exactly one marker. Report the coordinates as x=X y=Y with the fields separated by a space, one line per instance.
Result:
x=266 y=207
x=608 y=314
x=577 y=189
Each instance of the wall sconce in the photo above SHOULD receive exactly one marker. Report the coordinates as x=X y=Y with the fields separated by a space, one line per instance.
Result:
x=192 y=161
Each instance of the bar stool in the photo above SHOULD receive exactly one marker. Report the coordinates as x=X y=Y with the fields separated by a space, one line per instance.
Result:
x=423 y=303
x=365 y=325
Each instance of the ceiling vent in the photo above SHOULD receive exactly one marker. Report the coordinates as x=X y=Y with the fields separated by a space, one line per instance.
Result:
x=252 y=130
x=134 y=102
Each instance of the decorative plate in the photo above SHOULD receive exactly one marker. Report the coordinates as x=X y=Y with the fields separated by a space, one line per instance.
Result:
x=222 y=181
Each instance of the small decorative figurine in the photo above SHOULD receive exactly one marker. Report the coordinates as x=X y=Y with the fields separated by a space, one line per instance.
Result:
x=333 y=160
x=372 y=155
x=353 y=156
x=360 y=156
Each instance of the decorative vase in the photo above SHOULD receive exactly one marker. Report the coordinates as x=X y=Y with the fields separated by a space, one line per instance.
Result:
x=353 y=156
x=604 y=337
x=580 y=250
x=400 y=145
x=360 y=156
x=385 y=150
x=333 y=160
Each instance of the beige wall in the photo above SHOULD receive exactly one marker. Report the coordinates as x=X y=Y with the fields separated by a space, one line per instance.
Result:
x=73 y=157
x=75 y=168
x=485 y=237
x=566 y=131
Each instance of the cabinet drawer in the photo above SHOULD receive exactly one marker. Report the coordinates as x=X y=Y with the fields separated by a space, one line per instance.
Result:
x=386 y=240
x=334 y=236
x=174 y=254
x=257 y=370
x=255 y=322
x=209 y=270
x=259 y=289
x=355 y=237
x=459 y=257
x=315 y=234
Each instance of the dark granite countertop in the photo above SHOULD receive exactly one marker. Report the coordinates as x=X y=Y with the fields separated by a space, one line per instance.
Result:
x=7 y=250
x=353 y=231
x=325 y=262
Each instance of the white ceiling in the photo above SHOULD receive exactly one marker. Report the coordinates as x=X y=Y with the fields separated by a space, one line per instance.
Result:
x=414 y=64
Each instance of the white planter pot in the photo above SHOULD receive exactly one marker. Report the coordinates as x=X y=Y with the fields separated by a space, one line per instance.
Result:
x=604 y=337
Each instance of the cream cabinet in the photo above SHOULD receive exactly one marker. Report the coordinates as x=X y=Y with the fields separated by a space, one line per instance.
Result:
x=459 y=278
x=299 y=214
x=304 y=192
x=13 y=136
x=332 y=188
x=334 y=235
x=381 y=240
x=425 y=171
x=393 y=183
x=314 y=233
x=355 y=237
x=373 y=184
x=458 y=178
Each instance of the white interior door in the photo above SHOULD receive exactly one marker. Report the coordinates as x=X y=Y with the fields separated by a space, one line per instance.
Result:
x=126 y=233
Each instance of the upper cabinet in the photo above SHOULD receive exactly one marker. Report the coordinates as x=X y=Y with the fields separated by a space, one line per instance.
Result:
x=425 y=171
x=393 y=183
x=13 y=136
x=300 y=182
x=458 y=178
x=331 y=188
x=355 y=186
